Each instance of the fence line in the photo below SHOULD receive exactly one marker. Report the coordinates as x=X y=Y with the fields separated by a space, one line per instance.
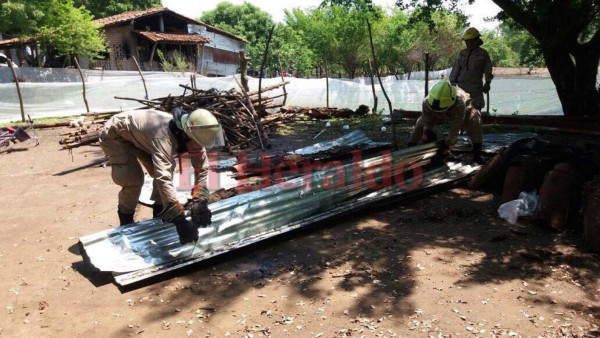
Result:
x=57 y=92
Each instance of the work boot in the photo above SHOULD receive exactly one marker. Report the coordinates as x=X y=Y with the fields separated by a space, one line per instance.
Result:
x=477 y=150
x=156 y=209
x=124 y=218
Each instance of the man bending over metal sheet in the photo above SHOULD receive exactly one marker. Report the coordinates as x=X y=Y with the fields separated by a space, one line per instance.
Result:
x=154 y=139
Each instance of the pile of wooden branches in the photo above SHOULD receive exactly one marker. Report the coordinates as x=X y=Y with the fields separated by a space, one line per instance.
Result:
x=243 y=115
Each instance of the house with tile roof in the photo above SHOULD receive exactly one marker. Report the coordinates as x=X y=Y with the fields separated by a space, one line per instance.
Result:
x=148 y=33
x=211 y=51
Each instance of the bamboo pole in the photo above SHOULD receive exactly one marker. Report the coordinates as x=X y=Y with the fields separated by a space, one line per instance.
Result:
x=142 y=76
x=12 y=69
x=87 y=107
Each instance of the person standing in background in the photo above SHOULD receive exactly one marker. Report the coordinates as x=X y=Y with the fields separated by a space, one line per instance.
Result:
x=470 y=67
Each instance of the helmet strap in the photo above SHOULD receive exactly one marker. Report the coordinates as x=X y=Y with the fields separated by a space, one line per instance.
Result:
x=179 y=135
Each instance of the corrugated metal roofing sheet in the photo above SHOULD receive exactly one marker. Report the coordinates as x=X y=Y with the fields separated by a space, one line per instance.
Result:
x=151 y=247
x=353 y=139
x=145 y=249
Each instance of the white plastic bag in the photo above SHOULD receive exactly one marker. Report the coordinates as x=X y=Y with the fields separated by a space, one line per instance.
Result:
x=523 y=206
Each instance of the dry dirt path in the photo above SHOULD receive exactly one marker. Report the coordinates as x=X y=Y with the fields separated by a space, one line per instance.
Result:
x=443 y=265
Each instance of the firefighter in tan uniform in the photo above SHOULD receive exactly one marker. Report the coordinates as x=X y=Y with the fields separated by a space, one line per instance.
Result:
x=154 y=139
x=447 y=103
x=470 y=67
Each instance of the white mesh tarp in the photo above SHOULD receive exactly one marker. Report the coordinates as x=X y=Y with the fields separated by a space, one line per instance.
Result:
x=59 y=92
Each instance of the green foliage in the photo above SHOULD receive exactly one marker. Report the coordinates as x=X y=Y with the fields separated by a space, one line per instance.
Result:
x=289 y=51
x=500 y=51
x=334 y=35
x=58 y=26
x=520 y=41
x=20 y=18
x=393 y=37
x=104 y=8
x=70 y=31
x=176 y=62
x=337 y=35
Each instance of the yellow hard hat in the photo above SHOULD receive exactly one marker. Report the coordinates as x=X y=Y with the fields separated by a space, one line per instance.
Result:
x=203 y=127
x=441 y=96
x=471 y=33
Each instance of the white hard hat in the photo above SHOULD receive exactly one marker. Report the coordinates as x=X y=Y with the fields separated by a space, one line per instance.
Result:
x=203 y=127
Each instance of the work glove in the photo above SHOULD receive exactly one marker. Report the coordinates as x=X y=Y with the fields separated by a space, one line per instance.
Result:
x=157 y=208
x=429 y=136
x=186 y=230
x=201 y=214
x=486 y=87
x=442 y=152
x=443 y=147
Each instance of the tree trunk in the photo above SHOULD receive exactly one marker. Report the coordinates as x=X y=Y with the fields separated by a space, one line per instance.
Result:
x=573 y=65
x=575 y=80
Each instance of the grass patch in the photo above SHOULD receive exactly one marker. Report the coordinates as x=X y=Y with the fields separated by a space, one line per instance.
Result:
x=41 y=120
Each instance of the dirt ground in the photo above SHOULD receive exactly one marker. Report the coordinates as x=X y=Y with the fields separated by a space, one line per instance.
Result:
x=442 y=265
x=508 y=72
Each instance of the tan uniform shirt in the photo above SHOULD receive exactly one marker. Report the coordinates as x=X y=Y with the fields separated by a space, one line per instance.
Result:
x=154 y=145
x=460 y=114
x=468 y=70
x=455 y=115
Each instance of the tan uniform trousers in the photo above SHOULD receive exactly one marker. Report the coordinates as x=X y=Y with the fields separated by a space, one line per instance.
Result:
x=126 y=170
x=471 y=124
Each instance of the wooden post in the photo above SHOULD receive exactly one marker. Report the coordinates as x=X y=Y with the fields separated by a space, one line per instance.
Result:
x=12 y=69
x=284 y=82
x=142 y=75
x=152 y=55
x=87 y=107
x=244 y=71
x=375 y=99
x=426 y=73
x=262 y=66
x=395 y=140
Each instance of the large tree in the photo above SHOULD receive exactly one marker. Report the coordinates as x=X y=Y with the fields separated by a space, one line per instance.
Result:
x=314 y=26
x=567 y=31
x=337 y=34
x=569 y=38
x=104 y=8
